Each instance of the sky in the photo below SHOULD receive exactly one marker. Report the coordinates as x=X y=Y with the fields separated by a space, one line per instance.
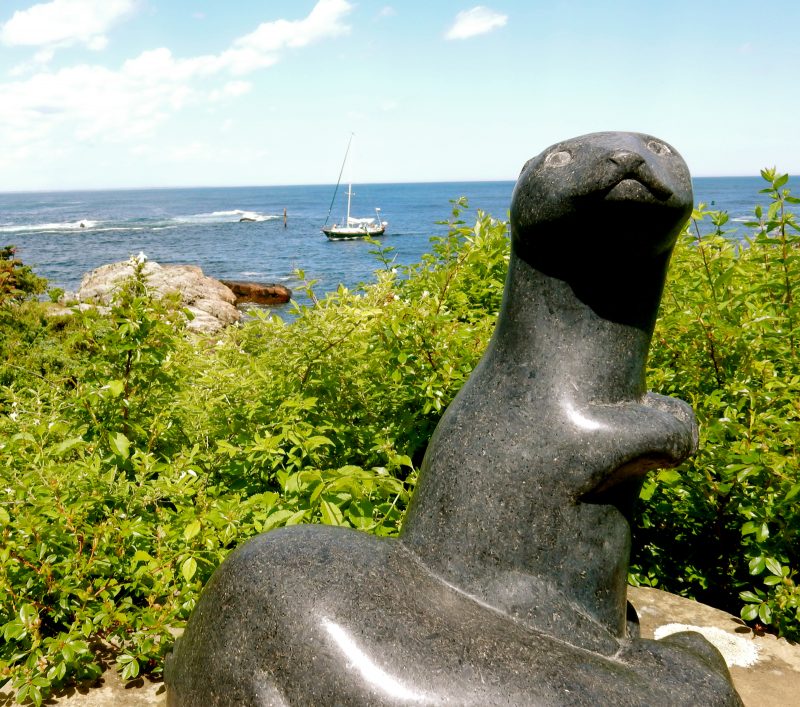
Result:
x=99 y=94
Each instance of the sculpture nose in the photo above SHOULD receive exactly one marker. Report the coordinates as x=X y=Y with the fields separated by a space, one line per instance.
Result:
x=626 y=159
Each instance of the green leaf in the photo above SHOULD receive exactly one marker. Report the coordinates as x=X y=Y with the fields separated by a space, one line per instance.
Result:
x=191 y=530
x=188 y=568
x=66 y=445
x=14 y=630
x=669 y=476
x=34 y=693
x=750 y=597
x=772 y=211
x=120 y=444
x=749 y=527
x=277 y=519
x=5 y=519
x=360 y=514
x=765 y=613
x=402 y=460
x=773 y=566
x=749 y=612
x=130 y=666
x=297 y=518
x=141 y=556
x=116 y=388
x=331 y=514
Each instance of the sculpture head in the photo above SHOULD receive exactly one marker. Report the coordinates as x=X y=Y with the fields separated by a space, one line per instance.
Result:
x=599 y=209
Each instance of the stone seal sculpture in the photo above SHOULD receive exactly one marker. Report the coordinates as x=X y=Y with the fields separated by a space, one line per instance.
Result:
x=508 y=583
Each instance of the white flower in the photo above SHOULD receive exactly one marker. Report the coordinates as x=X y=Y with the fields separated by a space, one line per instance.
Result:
x=141 y=258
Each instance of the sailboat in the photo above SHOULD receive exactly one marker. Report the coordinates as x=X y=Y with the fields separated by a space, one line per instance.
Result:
x=352 y=227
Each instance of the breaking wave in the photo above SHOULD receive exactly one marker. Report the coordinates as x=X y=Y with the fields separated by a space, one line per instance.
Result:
x=49 y=227
x=226 y=217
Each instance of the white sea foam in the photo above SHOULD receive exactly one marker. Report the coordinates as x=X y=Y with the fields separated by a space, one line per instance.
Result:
x=120 y=228
x=81 y=225
x=226 y=217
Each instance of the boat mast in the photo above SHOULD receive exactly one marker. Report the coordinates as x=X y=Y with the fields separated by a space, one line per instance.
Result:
x=349 y=181
x=338 y=181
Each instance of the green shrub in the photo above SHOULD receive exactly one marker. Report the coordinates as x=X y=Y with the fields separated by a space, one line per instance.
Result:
x=134 y=456
x=17 y=281
x=723 y=528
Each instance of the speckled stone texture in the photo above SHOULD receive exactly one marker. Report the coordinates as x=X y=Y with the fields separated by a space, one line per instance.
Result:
x=507 y=586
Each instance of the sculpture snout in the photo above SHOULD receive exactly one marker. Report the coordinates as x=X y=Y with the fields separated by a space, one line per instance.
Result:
x=627 y=160
x=629 y=165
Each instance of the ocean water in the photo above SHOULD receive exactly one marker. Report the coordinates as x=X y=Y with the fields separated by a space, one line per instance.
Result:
x=64 y=235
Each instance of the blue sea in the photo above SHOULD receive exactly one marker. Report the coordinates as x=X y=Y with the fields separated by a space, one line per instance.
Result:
x=64 y=235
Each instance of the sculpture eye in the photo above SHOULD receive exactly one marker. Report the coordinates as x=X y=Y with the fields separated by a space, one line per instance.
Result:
x=558 y=159
x=658 y=148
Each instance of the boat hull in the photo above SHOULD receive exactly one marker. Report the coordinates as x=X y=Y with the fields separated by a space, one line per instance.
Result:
x=340 y=233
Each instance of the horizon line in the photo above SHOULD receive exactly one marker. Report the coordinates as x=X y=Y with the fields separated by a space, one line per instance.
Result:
x=310 y=184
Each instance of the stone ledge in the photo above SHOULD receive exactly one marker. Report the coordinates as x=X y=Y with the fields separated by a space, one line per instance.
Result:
x=765 y=669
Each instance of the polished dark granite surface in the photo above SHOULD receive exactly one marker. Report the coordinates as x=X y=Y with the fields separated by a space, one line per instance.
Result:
x=507 y=586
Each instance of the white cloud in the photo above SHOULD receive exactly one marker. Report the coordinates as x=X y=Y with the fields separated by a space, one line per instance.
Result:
x=97 y=43
x=65 y=22
x=478 y=20
x=259 y=48
x=387 y=11
x=237 y=88
x=232 y=89
x=90 y=102
x=39 y=62
x=43 y=56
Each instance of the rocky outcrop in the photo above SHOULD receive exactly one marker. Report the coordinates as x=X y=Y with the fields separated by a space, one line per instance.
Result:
x=211 y=303
x=257 y=292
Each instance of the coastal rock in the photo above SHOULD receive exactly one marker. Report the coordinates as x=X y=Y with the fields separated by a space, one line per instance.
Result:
x=211 y=303
x=258 y=293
